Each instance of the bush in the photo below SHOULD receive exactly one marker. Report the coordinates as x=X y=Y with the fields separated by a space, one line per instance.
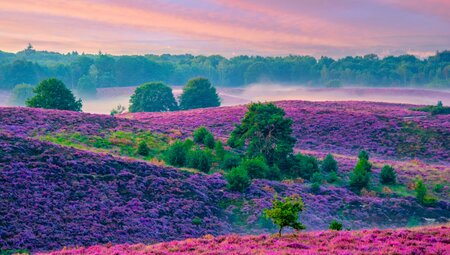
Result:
x=199 y=134
x=335 y=225
x=153 y=97
x=285 y=212
x=302 y=166
x=332 y=177
x=422 y=194
x=238 y=179
x=438 y=188
x=209 y=141
x=199 y=93
x=360 y=177
x=53 y=94
x=20 y=94
x=176 y=153
x=274 y=173
x=119 y=109
x=256 y=168
x=143 y=149
x=230 y=160
x=315 y=187
x=388 y=175
x=219 y=150
x=329 y=164
x=363 y=155
x=197 y=221
x=199 y=159
x=317 y=178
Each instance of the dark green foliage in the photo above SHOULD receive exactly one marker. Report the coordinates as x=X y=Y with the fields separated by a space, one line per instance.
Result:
x=256 y=168
x=20 y=94
x=86 y=87
x=53 y=94
x=238 y=179
x=199 y=159
x=285 y=212
x=363 y=155
x=266 y=132
x=317 y=178
x=143 y=149
x=209 y=141
x=360 y=177
x=434 y=109
x=199 y=134
x=274 y=173
x=197 y=221
x=422 y=195
x=230 y=160
x=332 y=177
x=153 y=97
x=315 y=187
x=329 y=164
x=219 y=150
x=335 y=225
x=302 y=166
x=199 y=93
x=176 y=154
x=13 y=252
x=438 y=188
x=388 y=175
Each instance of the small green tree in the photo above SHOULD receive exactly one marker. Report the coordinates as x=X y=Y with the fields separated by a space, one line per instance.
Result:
x=199 y=159
x=329 y=164
x=20 y=94
x=335 y=225
x=176 y=153
x=388 y=175
x=265 y=132
x=422 y=194
x=363 y=155
x=199 y=93
x=238 y=179
x=360 y=177
x=256 y=168
x=53 y=94
x=119 y=109
x=209 y=141
x=219 y=150
x=153 y=97
x=285 y=212
x=143 y=149
x=199 y=134
x=302 y=166
x=332 y=177
x=230 y=161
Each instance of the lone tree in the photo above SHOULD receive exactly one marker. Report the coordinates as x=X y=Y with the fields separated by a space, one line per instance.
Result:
x=153 y=97
x=20 y=94
x=266 y=132
x=199 y=93
x=53 y=94
x=388 y=175
x=285 y=212
x=360 y=177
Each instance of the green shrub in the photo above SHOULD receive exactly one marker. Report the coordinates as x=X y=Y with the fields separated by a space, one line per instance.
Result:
x=438 y=188
x=317 y=178
x=255 y=167
x=332 y=177
x=363 y=155
x=274 y=173
x=219 y=150
x=53 y=94
x=315 y=187
x=238 y=179
x=285 y=212
x=302 y=166
x=388 y=175
x=230 y=160
x=329 y=164
x=143 y=149
x=335 y=225
x=197 y=221
x=209 y=141
x=422 y=194
x=360 y=177
x=199 y=159
x=176 y=153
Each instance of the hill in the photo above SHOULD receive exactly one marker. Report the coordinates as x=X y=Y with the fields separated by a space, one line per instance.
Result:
x=430 y=240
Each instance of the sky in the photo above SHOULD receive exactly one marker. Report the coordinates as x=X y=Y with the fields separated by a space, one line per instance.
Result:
x=228 y=27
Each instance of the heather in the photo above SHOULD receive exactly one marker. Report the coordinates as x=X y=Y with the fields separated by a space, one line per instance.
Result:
x=428 y=240
x=93 y=198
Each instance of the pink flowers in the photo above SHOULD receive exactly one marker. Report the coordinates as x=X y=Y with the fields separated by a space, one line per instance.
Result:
x=428 y=240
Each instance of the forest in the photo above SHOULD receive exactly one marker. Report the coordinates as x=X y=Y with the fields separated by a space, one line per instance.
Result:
x=103 y=70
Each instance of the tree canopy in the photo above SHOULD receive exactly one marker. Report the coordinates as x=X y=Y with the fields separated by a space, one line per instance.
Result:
x=53 y=94
x=199 y=93
x=153 y=97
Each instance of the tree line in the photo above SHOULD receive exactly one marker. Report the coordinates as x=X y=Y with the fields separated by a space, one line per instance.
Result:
x=102 y=70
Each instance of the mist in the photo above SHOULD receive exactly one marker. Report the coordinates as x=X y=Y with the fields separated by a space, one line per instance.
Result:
x=108 y=98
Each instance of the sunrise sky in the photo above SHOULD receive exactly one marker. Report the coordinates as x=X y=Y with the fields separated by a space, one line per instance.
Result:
x=228 y=27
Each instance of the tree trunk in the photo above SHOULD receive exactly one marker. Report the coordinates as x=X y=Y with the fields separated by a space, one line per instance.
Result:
x=279 y=232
